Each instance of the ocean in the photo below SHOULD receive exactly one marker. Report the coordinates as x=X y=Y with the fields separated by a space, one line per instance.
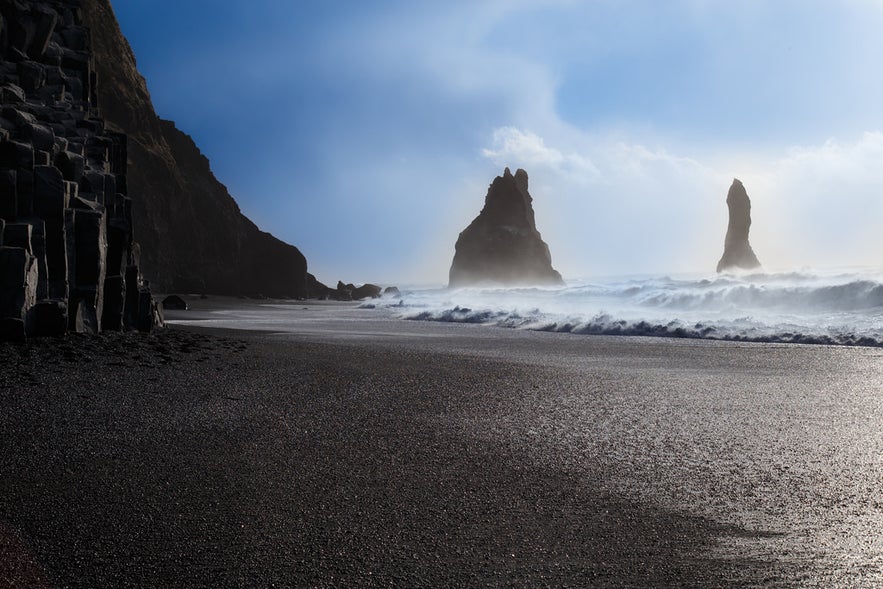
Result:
x=835 y=307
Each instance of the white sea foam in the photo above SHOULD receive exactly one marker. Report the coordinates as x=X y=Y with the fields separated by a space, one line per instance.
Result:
x=807 y=307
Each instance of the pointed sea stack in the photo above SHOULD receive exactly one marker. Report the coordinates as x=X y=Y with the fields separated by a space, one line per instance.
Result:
x=502 y=245
x=737 y=250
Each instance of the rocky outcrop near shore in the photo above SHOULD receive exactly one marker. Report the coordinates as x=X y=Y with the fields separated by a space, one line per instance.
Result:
x=68 y=260
x=502 y=245
x=346 y=291
x=193 y=235
x=737 y=250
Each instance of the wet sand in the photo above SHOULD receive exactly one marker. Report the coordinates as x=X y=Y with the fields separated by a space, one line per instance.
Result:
x=384 y=454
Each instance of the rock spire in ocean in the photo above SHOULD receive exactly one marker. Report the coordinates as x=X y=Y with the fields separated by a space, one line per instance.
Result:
x=737 y=250
x=502 y=245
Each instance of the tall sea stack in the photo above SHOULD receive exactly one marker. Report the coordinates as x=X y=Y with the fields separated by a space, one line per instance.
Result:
x=502 y=245
x=737 y=250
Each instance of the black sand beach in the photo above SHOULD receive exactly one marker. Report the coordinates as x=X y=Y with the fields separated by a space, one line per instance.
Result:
x=427 y=455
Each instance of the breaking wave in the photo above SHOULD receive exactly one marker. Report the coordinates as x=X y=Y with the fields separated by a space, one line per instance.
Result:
x=803 y=307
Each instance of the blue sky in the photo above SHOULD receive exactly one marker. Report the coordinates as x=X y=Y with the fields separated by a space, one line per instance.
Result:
x=367 y=133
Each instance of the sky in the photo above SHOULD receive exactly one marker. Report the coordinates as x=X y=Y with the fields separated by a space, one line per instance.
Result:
x=367 y=133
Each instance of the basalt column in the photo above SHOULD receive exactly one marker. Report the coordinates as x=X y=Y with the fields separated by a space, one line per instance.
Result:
x=66 y=220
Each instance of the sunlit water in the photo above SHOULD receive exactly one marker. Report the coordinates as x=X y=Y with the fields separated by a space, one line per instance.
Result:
x=801 y=307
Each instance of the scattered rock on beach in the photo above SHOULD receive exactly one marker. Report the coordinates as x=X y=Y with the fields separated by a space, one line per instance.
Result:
x=343 y=291
x=175 y=302
x=366 y=291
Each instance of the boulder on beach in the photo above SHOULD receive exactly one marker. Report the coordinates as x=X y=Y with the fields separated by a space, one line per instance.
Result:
x=367 y=291
x=343 y=292
x=737 y=250
x=351 y=292
x=175 y=302
x=502 y=245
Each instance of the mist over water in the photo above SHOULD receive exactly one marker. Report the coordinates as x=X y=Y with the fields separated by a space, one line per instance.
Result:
x=835 y=307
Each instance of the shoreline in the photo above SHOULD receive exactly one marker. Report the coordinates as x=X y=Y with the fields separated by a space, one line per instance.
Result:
x=429 y=455
x=239 y=314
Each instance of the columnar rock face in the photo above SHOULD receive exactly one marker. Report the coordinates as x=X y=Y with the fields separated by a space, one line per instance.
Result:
x=502 y=245
x=65 y=218
x=194 y=237
x=737 y=250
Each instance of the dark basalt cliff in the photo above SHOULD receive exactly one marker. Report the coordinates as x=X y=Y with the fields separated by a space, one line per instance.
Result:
x=68 y=259
x=502 y=245
x=737 y=250
x=193 y=236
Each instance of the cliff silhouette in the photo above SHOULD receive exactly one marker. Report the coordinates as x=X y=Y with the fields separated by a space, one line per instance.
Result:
x=193 y=236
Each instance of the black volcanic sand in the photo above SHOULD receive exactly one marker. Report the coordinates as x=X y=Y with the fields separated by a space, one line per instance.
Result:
x=195 y=458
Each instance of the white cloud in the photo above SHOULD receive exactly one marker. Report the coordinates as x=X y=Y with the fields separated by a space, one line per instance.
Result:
x=825 y=203
x=511 y=146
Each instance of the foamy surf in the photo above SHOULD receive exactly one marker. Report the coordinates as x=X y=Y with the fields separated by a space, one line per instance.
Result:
x=839 y=308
